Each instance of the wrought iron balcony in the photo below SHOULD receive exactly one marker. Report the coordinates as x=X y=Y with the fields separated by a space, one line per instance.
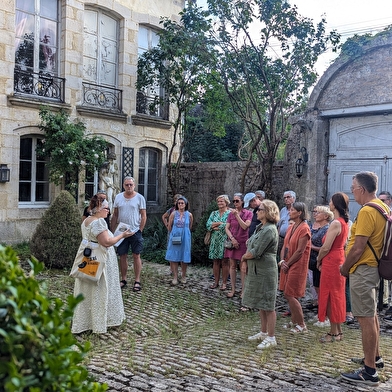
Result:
x=152 y=106
x=102 y=97
x=39 y=84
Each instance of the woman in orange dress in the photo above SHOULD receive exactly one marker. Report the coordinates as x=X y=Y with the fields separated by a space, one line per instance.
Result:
x=294 y=264
x=332 y=300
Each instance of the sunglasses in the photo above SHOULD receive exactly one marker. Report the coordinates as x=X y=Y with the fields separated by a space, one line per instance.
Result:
x=236 y=201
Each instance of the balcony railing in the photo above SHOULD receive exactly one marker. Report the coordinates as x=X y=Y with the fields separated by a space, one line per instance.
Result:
x=102 y=97
x=152 y=106
x=39 y=84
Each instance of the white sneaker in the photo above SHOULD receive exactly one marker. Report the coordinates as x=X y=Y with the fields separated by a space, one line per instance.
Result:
x=267 y=342
x=260 y=335
x=183 y=280
x=322 y=324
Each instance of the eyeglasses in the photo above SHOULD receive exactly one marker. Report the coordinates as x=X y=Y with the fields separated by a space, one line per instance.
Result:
x=384 y=200
x=236 y=201
x=261 y=209
x=129 y=184
x=316 y=212
x=180 y=202
x=287 y=197
x=352 y=189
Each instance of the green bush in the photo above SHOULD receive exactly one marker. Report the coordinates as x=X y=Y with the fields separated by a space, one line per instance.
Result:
x=155 y=242
x=38 y=352
x=58 y=234
x=199 y=250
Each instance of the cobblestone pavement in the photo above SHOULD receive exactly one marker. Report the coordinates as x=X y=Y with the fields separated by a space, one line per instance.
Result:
x=179 y=348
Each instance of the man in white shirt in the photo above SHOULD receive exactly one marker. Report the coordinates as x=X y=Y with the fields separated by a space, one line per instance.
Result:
x=130 y=208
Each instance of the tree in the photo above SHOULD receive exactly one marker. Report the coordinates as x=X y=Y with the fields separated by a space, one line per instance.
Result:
x=177 y=66
x=68 y=149
x=266 y=56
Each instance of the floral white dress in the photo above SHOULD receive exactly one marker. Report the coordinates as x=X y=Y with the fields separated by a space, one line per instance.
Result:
x=102 y=306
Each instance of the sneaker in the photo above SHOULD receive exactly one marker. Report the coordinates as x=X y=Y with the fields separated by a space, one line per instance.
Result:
x=361 y=376
x=322 y=324
x=260 y=335
x=267 y=342
x=389 y=310
x=388 y=319
x=361 y=361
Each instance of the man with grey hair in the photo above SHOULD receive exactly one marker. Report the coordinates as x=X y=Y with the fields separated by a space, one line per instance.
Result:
x=260 y=195
x=361 y=267
x=289 y=199
x=130 y=208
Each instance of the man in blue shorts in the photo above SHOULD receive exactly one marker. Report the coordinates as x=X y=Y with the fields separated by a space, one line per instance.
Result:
x=130 y=208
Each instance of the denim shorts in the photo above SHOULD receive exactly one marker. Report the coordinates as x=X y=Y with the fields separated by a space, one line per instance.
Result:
x=135 y=242
x=364 y=283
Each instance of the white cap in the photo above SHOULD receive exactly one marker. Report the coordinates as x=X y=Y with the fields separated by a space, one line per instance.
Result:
x=248 y=197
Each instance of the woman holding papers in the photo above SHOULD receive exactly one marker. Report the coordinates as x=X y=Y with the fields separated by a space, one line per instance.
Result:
x=102 y=306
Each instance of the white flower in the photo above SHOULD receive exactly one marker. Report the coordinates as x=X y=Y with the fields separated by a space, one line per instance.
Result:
x=70 y=162
x=82 y=162
x=96 y=156
x=61 y=151
x=43 y=150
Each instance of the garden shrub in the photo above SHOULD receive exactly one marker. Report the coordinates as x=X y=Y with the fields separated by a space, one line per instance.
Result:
x=58 y=234
x=155 y=242
x=38 y=352
x=199 y=249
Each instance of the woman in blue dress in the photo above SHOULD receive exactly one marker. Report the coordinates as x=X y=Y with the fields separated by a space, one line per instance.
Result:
x=180 y=240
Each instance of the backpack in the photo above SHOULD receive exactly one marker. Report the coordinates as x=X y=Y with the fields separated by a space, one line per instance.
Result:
x=385 y=260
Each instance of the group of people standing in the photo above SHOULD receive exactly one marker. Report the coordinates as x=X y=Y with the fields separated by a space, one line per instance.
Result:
x=260 y=242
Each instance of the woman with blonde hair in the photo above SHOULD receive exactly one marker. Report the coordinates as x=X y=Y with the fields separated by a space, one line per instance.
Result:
x=262 y=276
x=216 y=224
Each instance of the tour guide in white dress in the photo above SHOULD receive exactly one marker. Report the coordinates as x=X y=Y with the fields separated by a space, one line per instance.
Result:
x=102 y=306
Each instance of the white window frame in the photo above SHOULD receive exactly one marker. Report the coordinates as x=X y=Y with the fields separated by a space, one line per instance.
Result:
x=33 y=178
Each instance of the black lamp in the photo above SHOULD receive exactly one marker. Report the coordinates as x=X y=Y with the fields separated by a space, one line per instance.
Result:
x=299 y=167
x=4 y=173
x=300 y=163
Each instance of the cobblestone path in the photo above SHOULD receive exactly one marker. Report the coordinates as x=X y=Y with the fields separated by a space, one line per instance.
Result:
x=192 y=338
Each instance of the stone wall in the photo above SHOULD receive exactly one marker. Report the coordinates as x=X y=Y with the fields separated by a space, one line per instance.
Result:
x=202 y=182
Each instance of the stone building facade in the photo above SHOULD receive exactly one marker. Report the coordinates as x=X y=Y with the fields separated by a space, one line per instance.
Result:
x=347 y=126
x=80 y=56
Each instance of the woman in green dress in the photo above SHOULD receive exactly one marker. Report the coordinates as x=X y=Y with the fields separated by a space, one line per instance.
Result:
x=261 y=281
x=216 y=224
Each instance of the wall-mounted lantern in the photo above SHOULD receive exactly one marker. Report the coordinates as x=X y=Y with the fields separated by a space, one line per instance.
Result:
x=4 y=173
x=301 y=162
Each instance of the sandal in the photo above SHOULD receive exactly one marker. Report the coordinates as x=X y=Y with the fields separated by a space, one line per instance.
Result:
x=330 y=338
x=213 y=286
x=137 y=287
x=244 y=309
x=298 y=329
x=223 y=287
x=123 y=283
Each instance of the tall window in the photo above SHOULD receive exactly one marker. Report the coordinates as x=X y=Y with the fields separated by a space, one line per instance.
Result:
x=36 y=43
x=148 y=174
x=148 y=100
x=100 y=48
x=33 y=173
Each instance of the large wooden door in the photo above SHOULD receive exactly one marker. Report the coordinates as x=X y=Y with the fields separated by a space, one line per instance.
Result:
x=356 y=144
